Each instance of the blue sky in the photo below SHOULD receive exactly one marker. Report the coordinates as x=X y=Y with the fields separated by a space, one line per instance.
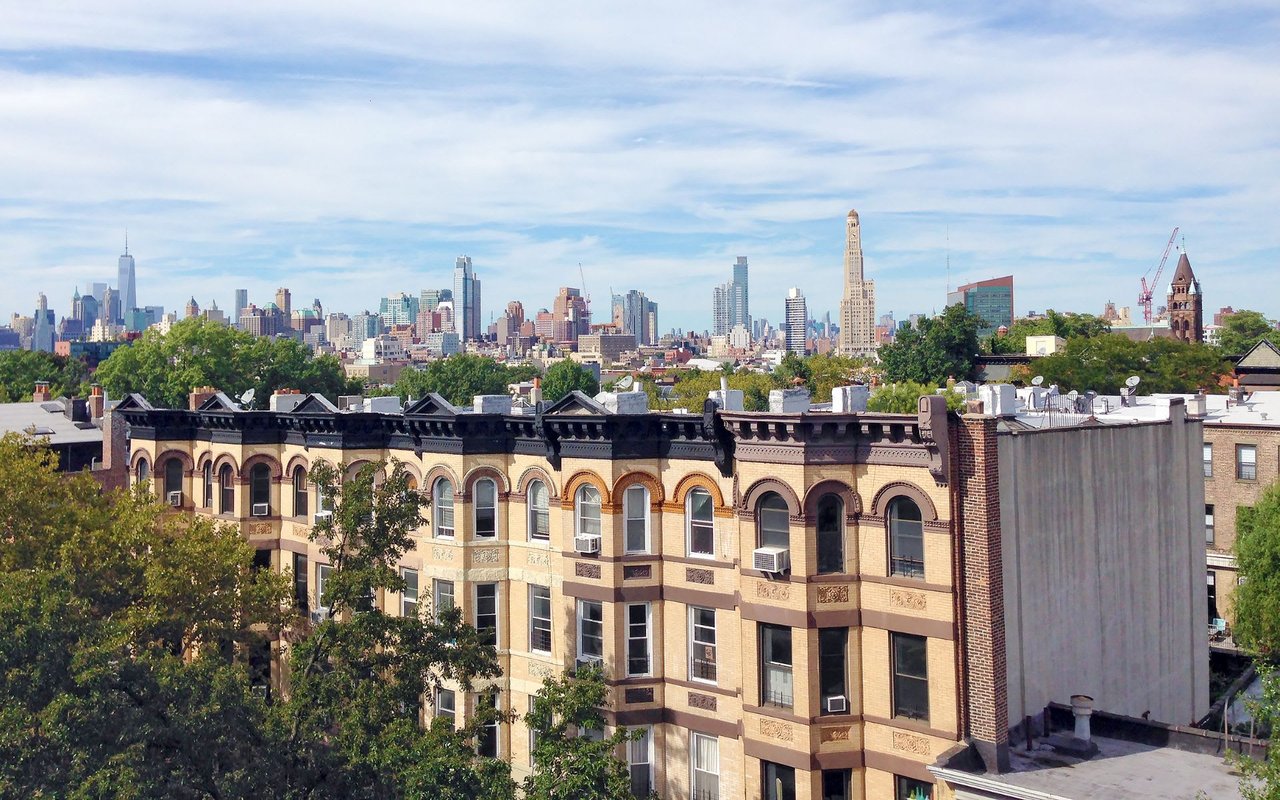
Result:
x=352 y=151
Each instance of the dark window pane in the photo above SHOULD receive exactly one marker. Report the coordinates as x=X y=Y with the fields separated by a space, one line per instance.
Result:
x=906 y=539
x=778 y=782
x=831 y=662
x=773 y=521
x=830 y=534
x=910 y=676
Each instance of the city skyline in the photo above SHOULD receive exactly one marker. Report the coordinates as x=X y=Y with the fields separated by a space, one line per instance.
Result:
x=1059 y=146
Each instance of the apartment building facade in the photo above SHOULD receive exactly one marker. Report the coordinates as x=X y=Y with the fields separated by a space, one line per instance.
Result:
x=800 y=605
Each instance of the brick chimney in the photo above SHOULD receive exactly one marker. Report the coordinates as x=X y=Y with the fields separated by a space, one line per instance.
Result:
x=199 y=395
x=97 y=402
x=41 y=394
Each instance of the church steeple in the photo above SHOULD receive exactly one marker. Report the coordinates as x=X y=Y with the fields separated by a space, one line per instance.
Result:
x=1186 y=312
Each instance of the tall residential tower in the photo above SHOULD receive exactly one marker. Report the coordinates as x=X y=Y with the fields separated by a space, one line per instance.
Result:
x=466 y=300
x=858 y=308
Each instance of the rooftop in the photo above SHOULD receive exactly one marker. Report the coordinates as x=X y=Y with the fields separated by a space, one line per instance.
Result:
x=46 y=419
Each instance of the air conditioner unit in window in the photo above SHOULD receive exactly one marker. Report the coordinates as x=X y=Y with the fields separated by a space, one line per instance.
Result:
x=323 y=516
x=320 y=614
x=261 y=509
x=584 y=662
x=175 y=499
x=771 y=559
x=588 y=543
x=835 y=704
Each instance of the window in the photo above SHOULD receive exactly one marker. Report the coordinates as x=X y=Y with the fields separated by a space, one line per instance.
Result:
x=906 y=539
x=911 y=789
x=322 y=585
x=208 y=485
x=702 y=644
x=698 y=511
x=409 y=597
x=705 y=763
x=1208 y=523
x=540 y=619
x=487 y=612
x=442 y=592
x=144 y=471
x=837 y=784
x=830 y=533
x=1208 y=459
x=301 y=598
x=260 y=668
x=1211 y=579
x=635 y=510
x=776 y=683
x=446 y=705
x=772 y=523
x=227 y=502
x=1246 y=462
x=443 y=501
x=777 y=782
x=640 y=764
x=172 y=476
x=487 y=738
x=299 y=491
x=260 y=485
x=590 y=630
x=486 y=508
x=832 y=647
x=533 y=732
x=910 y=676
x=638 y=639
x=539 y=511
x=261 y=560
x=587 y=511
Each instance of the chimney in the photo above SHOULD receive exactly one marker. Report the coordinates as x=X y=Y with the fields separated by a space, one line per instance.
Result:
x=199 y=395
x=76 y=409
x=97 y=402
x=535 y=395
x=41 y=394
x=1082 y=708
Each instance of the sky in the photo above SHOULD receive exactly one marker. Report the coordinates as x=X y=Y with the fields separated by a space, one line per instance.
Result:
x=351 y=150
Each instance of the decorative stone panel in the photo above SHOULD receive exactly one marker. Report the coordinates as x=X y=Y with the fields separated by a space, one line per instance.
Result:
x=706 y=702
x=537 y=559
x=909 y=743
x=833 y=594
x=585 y=570
x=703 y=576
x=641 y=695
x=831 y=734
x=637 y=572
x=776 y=730
x=912 y=601
x=442 y=553
x=488 y=555
x=773 y=591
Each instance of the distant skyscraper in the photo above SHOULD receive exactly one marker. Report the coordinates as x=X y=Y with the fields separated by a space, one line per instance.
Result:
x=241 y=303
x=400 y=308
x=636 y=314
x=739 y=309
x=858 y=308
x=284 y=302
x=720 y=309
x=126 y=281
x=110 y=308
x=797 y=321
x=991 y=301
x=192 y=309
x=571 y=316
x=466 y=300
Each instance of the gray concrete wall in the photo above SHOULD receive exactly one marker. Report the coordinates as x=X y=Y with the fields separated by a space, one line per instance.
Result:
x=1104 y=568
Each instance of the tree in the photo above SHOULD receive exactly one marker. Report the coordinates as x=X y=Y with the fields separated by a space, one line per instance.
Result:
x=459 y=378
x=198 y=352
x=1243 y=330
x=568 y=762
x=20 y=369
x=1065 y=326
x=941 y=347
x=1103 y=363
x=828 y=370
x=904 y=398
x=565 y=376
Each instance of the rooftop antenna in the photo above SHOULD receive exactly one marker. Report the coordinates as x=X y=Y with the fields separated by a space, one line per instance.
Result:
x=126 y=241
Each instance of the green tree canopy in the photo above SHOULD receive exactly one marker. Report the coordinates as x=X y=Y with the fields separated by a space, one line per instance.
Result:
x=20 y=369
x=564 y=377
x=1102 y=364
x=1066 y=326
x=941 y=347
x=460 y=377
x=196 y=352
x=903 y=398
x=1243 y=330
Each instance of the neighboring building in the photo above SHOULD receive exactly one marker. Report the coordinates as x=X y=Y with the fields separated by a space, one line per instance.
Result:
x=1186 y=304
x=610 y=346
x=720 y=309
x=739 y=296
x=571 y=317
x=83 y=433
x=400 y=308
x=374 y=374
x=284 y=302
x=215 y=314
x=1044 y=345
x=858 y=307
x=192 y=309
x=827 y=601
x=991 y=301
x=637 y=315
x=241 y=303
x=126 y=280
x=466 y=300
x=797 y=322
x=43 y=333
x=442 y=343
x=269 y=321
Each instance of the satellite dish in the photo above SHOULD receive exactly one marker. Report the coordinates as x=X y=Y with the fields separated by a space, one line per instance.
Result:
x=624 y=382
x=246 y=399
x=1037 y=380
x=1132 y=381
x=1073 y=394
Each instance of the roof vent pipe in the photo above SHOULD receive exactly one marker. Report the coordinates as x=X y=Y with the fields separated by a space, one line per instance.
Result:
x=1082 y=708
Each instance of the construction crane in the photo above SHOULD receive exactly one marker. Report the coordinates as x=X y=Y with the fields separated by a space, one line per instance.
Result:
x=585 y=294
x=1148 y=289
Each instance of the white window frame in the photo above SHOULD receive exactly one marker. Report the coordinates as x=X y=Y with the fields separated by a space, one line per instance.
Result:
x=646 y=637
x=642 y=747
x=579 y=501
x=497 y=609
x=409 y=597
x=688 y=525
x=695 y=643
x=1207 y=456
x=705 y=769
x=495 y=726
x=534 y=589
x=1210 y=529
x=475 y=507
x=1251 y=462
x=537 y=512
x=629 y=515
x=322 y=577
x=438 y=529
x=450 y=711
x=581 y=607
x=441 y=589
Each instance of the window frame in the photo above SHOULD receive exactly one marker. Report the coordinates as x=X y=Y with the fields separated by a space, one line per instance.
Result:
x=409 y=597
x=898 y=563
x=1251 y=466
x=645 y=745
x=301 y=492
x=322 y=578
x=226 y=490
x=534 y=591
x=695 y=767
x=449 y=711
x=903 y=788
x=1207 y=456
x=496 y=614
x=440 y=508
x=772 y=671
x=169 y=474
x=1210 y=532
x=580 y=502
x=490 y=730
x=695 y=642
x=836 y=536
x=539 y=513
x=645 y=640
x=629 y=504
x=900 y=680
x=581 y=607
x=771 y=772
x=206 y=478
x=260 y=487
x=492 y=508
x=767 y=536
x=301 y=590
x=828 y=651
x=441 y=590
x=691 y=522
x=142 y=471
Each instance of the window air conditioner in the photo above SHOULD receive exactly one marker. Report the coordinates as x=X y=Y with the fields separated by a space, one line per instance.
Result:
x=589 y=543
x=175 y=499
x=320 y=614
x=585 y=662
x=261 y=509
x=771 y=559
x=835 y=704
x=323 y=516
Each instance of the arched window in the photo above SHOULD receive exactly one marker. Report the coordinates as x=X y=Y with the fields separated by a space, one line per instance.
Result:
x=485 y=500
x=144 y=471
x=539 y=511
x=586 y=509
x=260 y=488
x=830 y=533
x=773 y=525
x=300 y=491
x=635 y=510
x=699 y=514
x=207 y=478
x=227 y=503
x=906 y=539
x=442 y=499
x=172 y=476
